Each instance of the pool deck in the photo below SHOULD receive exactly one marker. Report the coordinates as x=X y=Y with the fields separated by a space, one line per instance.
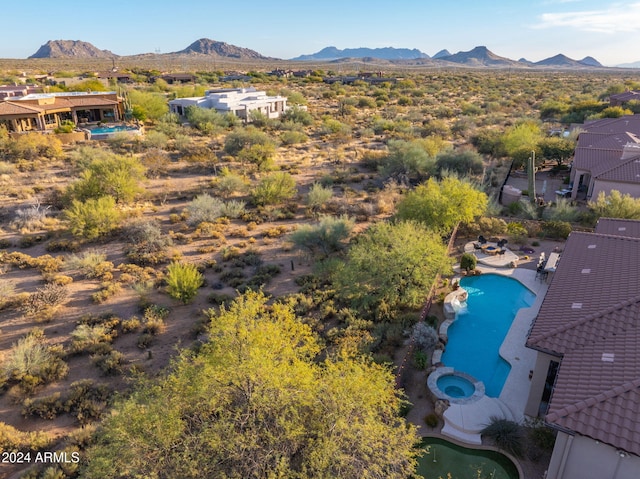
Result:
x=505 y=260
x=465 y=421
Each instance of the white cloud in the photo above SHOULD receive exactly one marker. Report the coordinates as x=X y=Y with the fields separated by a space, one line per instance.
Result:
x=613 y=19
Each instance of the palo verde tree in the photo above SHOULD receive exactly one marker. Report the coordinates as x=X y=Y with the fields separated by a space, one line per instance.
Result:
x=257 y=403
x=391 y=266
x=440 y=205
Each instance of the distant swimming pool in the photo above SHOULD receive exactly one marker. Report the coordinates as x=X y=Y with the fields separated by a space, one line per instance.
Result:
x=475 y=337
x=103 y=132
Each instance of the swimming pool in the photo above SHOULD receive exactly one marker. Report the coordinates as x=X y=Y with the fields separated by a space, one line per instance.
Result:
x=475 y=337
x=105 y=132
x=443 y=457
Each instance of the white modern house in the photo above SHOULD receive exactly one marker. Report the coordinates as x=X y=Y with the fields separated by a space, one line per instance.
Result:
x=239 y=101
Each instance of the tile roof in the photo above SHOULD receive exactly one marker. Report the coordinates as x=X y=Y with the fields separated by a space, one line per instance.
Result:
x=591 y=318
x=618 y=227
x=10 y=108
x=626 y=172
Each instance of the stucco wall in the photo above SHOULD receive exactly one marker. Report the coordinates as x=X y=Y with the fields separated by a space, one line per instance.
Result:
x=537 y=383
x=579 y=457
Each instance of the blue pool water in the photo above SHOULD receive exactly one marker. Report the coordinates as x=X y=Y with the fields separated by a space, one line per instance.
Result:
x=477 y=334
x=455 y=386
x=107 y=130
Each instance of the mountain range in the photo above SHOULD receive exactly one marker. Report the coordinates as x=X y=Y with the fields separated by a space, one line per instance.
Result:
x=478 y=57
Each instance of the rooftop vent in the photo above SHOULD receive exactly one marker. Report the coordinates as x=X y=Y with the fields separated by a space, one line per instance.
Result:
x=586 y=271
x=622 y=228
x=607 y=357
x=576 y=305
x=591 y=246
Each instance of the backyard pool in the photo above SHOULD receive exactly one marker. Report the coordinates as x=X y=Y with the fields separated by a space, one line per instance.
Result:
x=475 y=337
x=104 y=132
x=443 y=457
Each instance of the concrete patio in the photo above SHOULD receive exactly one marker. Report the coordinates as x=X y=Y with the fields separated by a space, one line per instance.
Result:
x=495 y=260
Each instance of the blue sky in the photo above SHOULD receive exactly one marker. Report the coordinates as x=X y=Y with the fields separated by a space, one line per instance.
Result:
x=533 y=29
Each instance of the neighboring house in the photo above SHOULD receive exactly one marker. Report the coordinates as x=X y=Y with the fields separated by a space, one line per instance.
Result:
x=607 y=157
x=621 y=99
x=586 y=381
x=46 y=111
x=172 y=78
x=12 y=91
x=239 y=101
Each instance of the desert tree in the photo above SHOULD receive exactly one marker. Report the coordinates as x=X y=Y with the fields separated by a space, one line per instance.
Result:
x=258 y=401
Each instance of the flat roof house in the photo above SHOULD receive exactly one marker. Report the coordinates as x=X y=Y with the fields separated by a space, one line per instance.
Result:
x=239 y=101
x=607 y=157
x=586 y=382
x=46 y=111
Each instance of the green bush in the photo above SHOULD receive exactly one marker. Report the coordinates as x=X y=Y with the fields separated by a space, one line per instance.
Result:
x=87 y=401
x=47 y=407
x=431 y=420
x=508 y=435
x=204 y=208
x=274 y=188
x=468 y=262
x=556 y=229
x=93 y=218
x=183 y=281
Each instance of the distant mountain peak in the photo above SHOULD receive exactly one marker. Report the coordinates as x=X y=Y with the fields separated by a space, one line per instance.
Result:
x=480 y=56
x=69 y=49
x=561 y=60
x=590 y=61
x=206 y=46
x=385 y=53
x=442 y=54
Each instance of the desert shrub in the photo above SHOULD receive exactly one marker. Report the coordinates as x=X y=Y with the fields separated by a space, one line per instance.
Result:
x=542 y=436
x=219 y=299
x=107 y=290
x=130 y=325
x=146 y=244
x=424 y=337
x=31 y=362
x=325 y=238
x=297 y=115
x=88 y=338
x=517 y=231
x=262 y=276
x=11 y=439
x=183 y=281
x=483 y=226
x=506 y=434
x=93 y=218
x=243 y=139
x=204 y=208
x=111 y=363
x=468 y=261
x=233 y=209
x=556 y=229
x=274 y=188
x=69 y=246
x=46 y=298
x=318 y=196
x=31 y=218
x=145 y=340
x=462 y=162
x=156 y=161
x=90 y=264
x=87 y=401
x=47 y=407
x=229 y=183
x=431 y=420
x=561 y=211
x=293 y=137
x=420 y=360
x=110 y=175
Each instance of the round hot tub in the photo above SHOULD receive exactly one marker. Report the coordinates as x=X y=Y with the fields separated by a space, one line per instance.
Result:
x=455 y=386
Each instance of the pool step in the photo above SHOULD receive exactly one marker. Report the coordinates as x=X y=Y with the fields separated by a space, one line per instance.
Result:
x=466 y=421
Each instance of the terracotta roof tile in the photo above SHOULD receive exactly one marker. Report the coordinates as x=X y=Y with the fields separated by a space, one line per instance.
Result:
x=626 y=172
x=597 y=389
x=618 y=227
x=10 y=108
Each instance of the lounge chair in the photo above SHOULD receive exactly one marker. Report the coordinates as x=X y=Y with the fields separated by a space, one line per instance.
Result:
x=482 y=239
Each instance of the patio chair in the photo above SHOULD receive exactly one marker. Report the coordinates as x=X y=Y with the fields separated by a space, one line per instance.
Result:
x=482 y=240
x=477 y=246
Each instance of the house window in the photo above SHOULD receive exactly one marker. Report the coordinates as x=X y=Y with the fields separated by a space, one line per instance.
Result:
x=552 y=372
x=51 y=119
